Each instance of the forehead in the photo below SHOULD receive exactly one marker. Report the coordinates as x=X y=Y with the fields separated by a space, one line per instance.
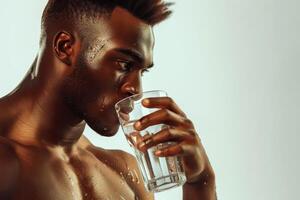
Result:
x=123 y=30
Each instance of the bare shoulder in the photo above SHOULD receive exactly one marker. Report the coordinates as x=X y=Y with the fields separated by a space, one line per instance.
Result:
x=9 y=167
x=132 y=171
x=126 y=165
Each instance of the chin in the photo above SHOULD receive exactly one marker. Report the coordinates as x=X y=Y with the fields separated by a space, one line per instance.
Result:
x=105 y=123
x=109 y=132
x=105 y=130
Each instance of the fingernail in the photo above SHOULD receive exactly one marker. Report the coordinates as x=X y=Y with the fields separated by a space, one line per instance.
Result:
x=142 y=145
x=147 y=141
x=158 y=152
x=146 y=102
x=137 y=125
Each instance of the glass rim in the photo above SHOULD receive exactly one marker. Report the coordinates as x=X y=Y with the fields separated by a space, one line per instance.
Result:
x=135 y=95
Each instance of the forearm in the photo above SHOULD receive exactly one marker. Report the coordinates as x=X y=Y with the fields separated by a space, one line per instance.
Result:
x=204 y=189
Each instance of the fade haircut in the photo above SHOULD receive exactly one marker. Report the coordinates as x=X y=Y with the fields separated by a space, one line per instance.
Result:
x=78 y=11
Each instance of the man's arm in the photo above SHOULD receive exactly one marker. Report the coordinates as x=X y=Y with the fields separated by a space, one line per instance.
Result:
x=9 y=169
x=205 y=188
x=202 y=186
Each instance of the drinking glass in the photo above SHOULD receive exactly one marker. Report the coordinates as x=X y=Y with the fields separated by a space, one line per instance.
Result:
x=159 y=173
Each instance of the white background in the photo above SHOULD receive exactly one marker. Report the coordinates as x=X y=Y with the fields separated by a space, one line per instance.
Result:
x=232 y=66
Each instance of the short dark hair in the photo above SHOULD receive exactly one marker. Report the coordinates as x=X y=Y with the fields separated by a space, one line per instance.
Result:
x=150 y=11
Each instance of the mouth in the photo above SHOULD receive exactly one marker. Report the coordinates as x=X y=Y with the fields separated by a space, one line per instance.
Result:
x=124 y=107
x=124 y=116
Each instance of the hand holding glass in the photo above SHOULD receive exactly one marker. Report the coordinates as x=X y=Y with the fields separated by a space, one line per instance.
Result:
x=159 y=173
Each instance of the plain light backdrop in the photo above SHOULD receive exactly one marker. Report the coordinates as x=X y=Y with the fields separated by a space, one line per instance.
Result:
x=231 y=65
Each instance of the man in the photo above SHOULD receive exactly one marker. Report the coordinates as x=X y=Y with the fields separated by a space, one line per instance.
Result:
x=92 y=54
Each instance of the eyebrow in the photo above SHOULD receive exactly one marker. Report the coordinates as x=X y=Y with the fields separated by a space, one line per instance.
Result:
x=134 y=54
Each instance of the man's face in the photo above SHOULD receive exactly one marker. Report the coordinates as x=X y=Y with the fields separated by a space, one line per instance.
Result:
x=109 y=68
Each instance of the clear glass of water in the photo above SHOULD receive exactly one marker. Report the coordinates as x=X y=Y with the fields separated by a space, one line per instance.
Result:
x=159 y=173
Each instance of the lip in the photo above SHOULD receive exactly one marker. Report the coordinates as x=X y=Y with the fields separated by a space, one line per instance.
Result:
x=124 y=116
x=124 y=106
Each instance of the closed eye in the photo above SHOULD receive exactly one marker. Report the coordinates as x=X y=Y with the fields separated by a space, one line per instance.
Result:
x=144 y=71
x=126 y=66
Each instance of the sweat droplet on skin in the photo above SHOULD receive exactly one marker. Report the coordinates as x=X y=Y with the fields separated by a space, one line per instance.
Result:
x=122 y=198
x=137 y=177
x=94 y=49
x=123 y=180
x=132 y=175
x=129 y=176
x=122 y=175
x=72 y=184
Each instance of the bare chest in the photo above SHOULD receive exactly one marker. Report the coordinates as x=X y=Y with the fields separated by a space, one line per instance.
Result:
x=79 y=179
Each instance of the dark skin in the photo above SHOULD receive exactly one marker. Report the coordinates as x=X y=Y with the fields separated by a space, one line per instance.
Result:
x=76 y=81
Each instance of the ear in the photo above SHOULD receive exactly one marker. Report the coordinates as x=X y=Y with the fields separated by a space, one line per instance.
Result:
x=63 y=45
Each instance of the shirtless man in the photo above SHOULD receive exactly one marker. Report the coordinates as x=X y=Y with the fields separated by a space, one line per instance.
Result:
x=92 y=54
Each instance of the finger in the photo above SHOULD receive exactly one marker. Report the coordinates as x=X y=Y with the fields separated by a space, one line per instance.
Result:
x=163 y=116
x=163 y=102
x=165 y=135
x=134 y=138
x=173 y=150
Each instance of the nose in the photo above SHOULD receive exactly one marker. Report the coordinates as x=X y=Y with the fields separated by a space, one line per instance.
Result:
x=132 y=86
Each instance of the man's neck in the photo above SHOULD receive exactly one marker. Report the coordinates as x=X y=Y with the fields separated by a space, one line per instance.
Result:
x=38 y=116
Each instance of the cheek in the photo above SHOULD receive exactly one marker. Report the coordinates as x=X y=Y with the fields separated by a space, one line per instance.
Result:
x=106 y=104
x=104 y=92
x=99 y=82
x=112 y=92
x=120 y=79
x=107 y=99
x=102 y=84
x=105 y=77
